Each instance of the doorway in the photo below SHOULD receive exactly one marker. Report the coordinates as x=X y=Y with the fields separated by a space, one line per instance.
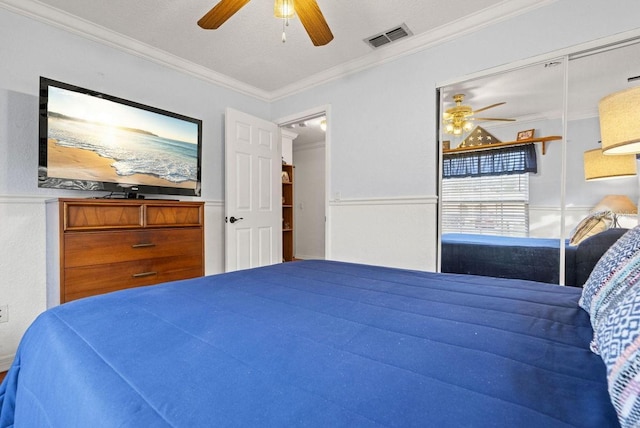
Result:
x=305 y=146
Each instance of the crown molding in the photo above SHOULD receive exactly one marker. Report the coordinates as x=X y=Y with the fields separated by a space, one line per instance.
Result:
x=289 y=134
x=300 y=147
x=502 y=11
x=586 y=113
x=453 y=30
x=88 y=30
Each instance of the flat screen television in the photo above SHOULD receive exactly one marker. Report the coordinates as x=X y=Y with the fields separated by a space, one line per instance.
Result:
x=98 y=142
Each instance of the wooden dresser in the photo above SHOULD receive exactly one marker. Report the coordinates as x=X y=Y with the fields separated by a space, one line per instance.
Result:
x=96 y=246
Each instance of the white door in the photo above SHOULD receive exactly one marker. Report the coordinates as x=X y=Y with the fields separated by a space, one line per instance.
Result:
x=253 y=192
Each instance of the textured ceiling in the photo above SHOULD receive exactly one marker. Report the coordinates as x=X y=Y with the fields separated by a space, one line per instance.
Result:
x=536 y=91
x=248 y=48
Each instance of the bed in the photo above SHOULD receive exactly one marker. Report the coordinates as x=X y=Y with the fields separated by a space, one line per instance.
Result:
x=535 y=259
x=313 y=343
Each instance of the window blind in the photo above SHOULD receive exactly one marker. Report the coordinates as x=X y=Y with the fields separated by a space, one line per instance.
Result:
x=491 y=205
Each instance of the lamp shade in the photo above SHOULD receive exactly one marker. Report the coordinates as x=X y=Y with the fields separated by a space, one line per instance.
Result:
x=618 y=204
x=599 y=166
x=620 y=122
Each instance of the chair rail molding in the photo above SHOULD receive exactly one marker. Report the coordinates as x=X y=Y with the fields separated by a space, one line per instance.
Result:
x=400 y=200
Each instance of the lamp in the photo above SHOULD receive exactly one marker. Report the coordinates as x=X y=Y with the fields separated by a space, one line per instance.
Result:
x=599 y=166
x=618 y=205
x=323 y=124
x=284 y=9
x=620 y=122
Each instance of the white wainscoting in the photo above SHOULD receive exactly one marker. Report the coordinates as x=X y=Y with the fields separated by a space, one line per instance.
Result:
x=23 y=259
x=396 y=232
x=22 y=268
x=544 y=221
x=213 y=237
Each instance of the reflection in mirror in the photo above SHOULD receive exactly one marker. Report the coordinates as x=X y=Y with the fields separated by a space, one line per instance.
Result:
x=502 y=156
x=602 y=191
x=489 y=228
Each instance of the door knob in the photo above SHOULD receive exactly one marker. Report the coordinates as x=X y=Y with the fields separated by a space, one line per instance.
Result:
x=233 y=219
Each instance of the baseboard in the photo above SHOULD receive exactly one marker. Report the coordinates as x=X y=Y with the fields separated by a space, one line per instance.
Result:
x=309 y=257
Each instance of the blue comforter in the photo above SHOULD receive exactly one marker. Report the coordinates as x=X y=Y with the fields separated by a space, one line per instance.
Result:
x=314 y=343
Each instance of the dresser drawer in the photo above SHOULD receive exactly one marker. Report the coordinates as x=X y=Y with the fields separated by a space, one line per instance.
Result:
x=97 y=279
x=182 y=215
x=90 y=214
x=95 y=248
x=96 y=214
x=102 y=245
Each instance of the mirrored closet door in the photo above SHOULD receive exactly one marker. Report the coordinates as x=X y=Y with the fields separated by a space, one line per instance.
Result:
x=501 y=139
x=513 y=192
x=601 y=190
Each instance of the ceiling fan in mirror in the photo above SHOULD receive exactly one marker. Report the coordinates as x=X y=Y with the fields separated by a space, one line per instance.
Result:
x=460 y=118
x=307 y=10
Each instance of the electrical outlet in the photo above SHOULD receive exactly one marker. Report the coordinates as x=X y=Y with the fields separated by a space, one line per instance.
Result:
x=4 y=313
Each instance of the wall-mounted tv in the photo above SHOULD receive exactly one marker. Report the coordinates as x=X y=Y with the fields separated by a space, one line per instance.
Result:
x=94 y=141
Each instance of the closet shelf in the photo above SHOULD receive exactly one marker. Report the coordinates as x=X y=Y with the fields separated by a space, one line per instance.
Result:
x=542 y=140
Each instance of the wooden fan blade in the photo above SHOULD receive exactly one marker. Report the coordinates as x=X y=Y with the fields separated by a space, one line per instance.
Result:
x=488 y=107
x=313 y=21
x=494 y=118
x=220 y=13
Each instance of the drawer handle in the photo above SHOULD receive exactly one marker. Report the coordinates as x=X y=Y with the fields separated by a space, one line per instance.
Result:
x=145 y=245
x=143 y=274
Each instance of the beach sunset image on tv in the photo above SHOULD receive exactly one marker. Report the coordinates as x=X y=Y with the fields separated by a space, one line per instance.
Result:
x=90 y=139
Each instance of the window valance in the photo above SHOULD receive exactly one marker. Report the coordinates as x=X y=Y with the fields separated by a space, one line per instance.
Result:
x=498 y=161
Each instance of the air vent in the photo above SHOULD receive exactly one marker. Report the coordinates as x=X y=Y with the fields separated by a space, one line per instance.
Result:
x=389 y=36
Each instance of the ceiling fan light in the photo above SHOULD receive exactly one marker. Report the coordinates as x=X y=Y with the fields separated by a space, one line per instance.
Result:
x=284 y=9
x=460 y=118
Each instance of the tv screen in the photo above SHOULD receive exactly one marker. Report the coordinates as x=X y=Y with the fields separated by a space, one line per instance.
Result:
x=94 y=141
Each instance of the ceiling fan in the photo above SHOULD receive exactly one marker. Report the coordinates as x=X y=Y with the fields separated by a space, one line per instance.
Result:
x=307 y=10
x=460 y=117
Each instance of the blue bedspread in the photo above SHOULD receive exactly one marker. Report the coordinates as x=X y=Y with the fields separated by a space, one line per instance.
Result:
x=321 y=344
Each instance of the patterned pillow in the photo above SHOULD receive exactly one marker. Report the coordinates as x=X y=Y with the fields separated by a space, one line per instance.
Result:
x=618 y=338
x=617 y=270
x=591 y=225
